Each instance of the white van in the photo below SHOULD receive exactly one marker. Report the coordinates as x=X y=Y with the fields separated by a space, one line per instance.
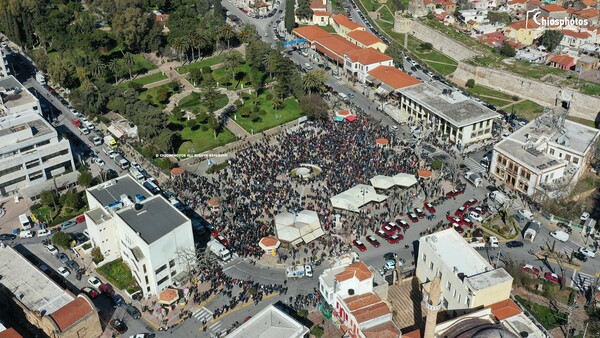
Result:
x=25 y=223
x=26 y=234
x=560 y=235
x=343 y=96
x=136 y=173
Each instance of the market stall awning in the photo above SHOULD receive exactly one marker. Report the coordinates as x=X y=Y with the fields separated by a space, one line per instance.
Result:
x=351 y=118
x=405 y=180
x=177 y=171
x=382 y=91
x=424 y=173
x=372 y=79
x=168 y=296
x=269 y=243
x=338 y=119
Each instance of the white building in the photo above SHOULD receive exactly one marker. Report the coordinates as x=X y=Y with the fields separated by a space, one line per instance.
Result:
x=349 y=290
x=548 y=155
x=474 y=15
x=358 y=63
x=271 y=322
x=4 y=69
x=31 y=152
x=15 y=98
x=447 y=112
x=468 y=282
x=153 y=237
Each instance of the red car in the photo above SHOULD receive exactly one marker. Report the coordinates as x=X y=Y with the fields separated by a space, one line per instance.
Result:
x=214 y=233
x=392 y=225
x=76 y=123
x=222 y=240
x=381 y=234
x=429 y=207
x=552 y=277
x=90 y=292
x=403 y=225
x=360 y=245
x=470 y=202
x=395 y=239
x=454 y=219
x=80 y=219
x=374 y=242
x=460 y=211
x=531 y=269
x=413 y=217
x=458 y=228
x=453 y=193
x=420 y=213
x=477 y=210
x=388 y=230
x=467 y=222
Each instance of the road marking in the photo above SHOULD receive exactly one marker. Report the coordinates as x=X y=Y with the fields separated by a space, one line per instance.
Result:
x=238 y=309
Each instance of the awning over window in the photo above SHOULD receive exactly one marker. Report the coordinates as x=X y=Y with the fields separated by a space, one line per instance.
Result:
x=372 y=79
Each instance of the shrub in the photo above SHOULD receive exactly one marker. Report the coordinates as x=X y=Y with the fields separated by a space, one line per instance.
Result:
x=262 y=112
x=269 y=96
x=245 y=96
x=436 y=165
x=470 y=83
x=515 y=98
x=238 y=103
x=206 y=70
x=97 y=255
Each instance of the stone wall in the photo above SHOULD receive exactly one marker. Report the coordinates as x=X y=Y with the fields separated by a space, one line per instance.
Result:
x=440 y=41
x=582 y=106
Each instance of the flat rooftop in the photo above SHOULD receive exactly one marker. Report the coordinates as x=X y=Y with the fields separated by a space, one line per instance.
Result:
x=529 y=144
x=155 y=219
x=111 y=191
x=449 y=104
x=271 y=322
x=449 y=245
x=23 y=127
x=488 y=279
x=30 y=285
x=15 y=100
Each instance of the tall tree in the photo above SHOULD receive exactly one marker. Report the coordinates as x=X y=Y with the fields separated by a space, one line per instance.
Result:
x=314 y=81
x=227 y=34
x=395 y=52
x=129 y=62
x=210 y=95
x=289 y=19
x=551 y=39
x=131 y=26
x=247 y=33
x=232 y=60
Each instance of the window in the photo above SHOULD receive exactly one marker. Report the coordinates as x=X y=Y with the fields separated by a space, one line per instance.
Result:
x=144 y=267
x=146 y=278
x=567 y=157
x=43 y=143
x=164 y=279
x=424 y=258
x=551 y=151
x=448 y=285
x=148 y=289
x=161 y=269
x=36 y=175
x=575 y=160
x=173 y=273
x=26 y=149
x=468 y=302
x=56 y=154
x=10 y=170
x=171 y=263
x=454 y=293
x=431 y=265
x=458 y=300
x=33 y=163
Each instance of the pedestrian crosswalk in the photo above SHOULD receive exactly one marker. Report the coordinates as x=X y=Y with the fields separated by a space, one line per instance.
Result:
x=583 y=281
x=215 y=329
x=473 y=165
x=203 y=314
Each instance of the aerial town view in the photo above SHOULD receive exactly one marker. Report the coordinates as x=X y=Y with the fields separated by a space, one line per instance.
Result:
x=299 y=168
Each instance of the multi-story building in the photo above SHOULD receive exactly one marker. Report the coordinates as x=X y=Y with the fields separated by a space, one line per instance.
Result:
x=365 y=39
x=548 y=155
x=4 y=69
x=343 y=25
x=271 y=322
x=152 y=236
x=358 y=62
x=447 y=112
x=31 y=296
x=349 y=290
x=31 y=152
x=15 y=98
x=468 y=282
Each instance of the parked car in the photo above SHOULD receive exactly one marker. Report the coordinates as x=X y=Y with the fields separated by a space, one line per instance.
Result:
x=560 y=235
x=389 y=256
x=374 y=242
x=413 y=217
x=72 y=265
x=52 y=249
x=476 y=216
x=360 y=245
x=552 y=277
x=94 y=281
x=531 y=269
x=588 y=252
x=44 y=233
x=63 y=271
x=388 y=230
x=90 y=292
x=514 y=244
x=580 y=256
x=526 y=214
x=7 y=237
x=62 y=257
x=395 y=239
x=133 y=311
x=470 y=202
x=80 y=219
x=67 y=225
x=381 y=234
x=119 y=301
x=429 y=207
x=584 y=216
x=420 y=213
x=119 y=326
x=460 y=211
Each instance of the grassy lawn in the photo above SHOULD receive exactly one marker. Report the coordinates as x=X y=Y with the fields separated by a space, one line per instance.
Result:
x=141 y=63
x=146 y=80
x=546 y=316
x=200 y=140
x=273 y=118
x=483 y=90
x=203 y=63
x=528 y=110
x=118 y=274
x=386 y=14
x=585 y=122
x=242 y=76
x=590 y=88
x=151 y=95
x=193 y=103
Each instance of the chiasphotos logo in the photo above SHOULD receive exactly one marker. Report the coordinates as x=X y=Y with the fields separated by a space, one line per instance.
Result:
x=563 y=22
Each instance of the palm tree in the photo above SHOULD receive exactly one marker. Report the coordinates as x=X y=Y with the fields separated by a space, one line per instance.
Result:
x=247 y=33
x=272 y=62
x=114 y=66
x=97 y=68
x=202 y=40
x=232 y=61
x=227 y=33
x=129 y=61
x=314 y=82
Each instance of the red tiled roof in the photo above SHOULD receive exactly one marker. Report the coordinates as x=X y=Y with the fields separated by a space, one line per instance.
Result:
x=382 y=141
x=367 y=56
x=574 y=34
x=311 y=33
x=515 y=2
x=269 y=241
x=358 y=270
x=317 y=5
x=571 y=10
x=505 y=309
x=493 y=38
x=10 y=333
x=71 y=313
x=521 y=24
x=589 y=3
x=553 y=8
x=360 y=301
x=335 y=46
x=371 y=312
x=343 y=20
x=562 y=59
x=385 y=330
x=393 y=77
x=412 y=334
x=321 y=13
x=364 y=37
x=588 y=13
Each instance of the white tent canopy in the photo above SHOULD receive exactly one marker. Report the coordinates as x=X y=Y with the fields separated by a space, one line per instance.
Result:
x=295 y=228
x=405 y=180
x=387 y=182
x=355 y=197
